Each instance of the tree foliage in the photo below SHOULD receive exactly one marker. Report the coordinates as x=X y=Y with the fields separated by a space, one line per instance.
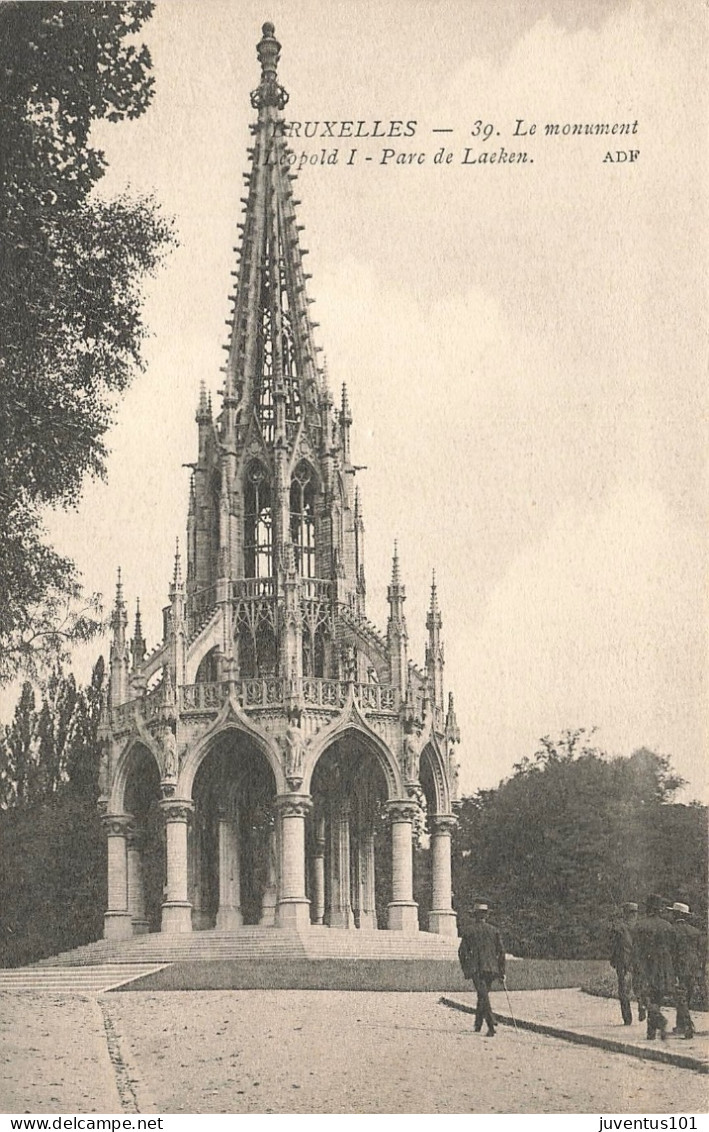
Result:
x=52 y=745
x=70 y=291
x=53 y=881
x=52 y=885
x=572 y=834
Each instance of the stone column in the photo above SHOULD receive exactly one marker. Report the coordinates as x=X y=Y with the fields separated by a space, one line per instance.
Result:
x=403 y=911
x=293 y=905
x=136 y=889
x=442 y=918
x=195 y=892
x=341 y=911
x=176 y=909
x=319 y=872
x=270 y=895
x=365 y=872
x=117 y=921
x=331 y=839
x=229 y=913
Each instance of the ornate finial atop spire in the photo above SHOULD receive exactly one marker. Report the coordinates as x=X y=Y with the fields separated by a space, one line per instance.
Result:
x=345 y=422
x=346 y=416
x=268 y=50
x=204 y=408
x=396 y=592
x=433 y=619
x=269 y=93
x=138 y=643
x=434 y=651
x=177 y=573
x=119 y=619
x=397 y=634
x=395 y=575
x=119 y=648
x=433 y=611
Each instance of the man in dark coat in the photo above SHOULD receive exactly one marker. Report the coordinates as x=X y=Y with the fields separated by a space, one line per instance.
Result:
x=482 y=958
x=622 y=957
x=654 y=942
x=687 y=955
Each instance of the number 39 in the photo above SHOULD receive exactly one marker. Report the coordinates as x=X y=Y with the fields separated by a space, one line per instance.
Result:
x=482 y=129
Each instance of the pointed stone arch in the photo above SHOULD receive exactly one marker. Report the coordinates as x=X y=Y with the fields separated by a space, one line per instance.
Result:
x=124 y=765
x=231 y=843
x=230 y=719
x=351 y=722
x=306 y=460
x=136 y=868
x=351 y=776
x=210 y=637
x=433 y=760
x=259 y=502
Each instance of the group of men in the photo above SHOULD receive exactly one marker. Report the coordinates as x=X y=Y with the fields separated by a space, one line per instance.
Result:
x=658 y=955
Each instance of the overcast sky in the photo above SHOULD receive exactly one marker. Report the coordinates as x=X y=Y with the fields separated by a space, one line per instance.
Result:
x=524 y=345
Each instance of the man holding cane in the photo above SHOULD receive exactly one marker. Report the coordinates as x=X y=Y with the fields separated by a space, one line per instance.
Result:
x=482 y=958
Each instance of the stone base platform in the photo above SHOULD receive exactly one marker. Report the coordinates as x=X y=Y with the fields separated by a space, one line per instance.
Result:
x=262 y=944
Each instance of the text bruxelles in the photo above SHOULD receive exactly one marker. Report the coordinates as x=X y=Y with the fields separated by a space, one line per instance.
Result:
x=394 y=128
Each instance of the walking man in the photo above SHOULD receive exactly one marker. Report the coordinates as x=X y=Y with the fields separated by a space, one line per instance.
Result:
x=482 y=958
x=687 y=963
x=622 y=957
x=654 y=942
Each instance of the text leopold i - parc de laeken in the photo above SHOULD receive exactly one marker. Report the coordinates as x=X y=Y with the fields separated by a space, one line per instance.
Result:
x=395 y=142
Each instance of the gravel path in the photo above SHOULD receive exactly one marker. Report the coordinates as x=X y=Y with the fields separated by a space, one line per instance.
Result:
x=352 y=1052
x=53 y=1055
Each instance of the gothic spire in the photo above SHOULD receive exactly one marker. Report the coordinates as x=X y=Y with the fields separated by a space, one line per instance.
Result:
x=397 y=633
x=138 y=630
x=434 y=650
x=177 y=569
x=119 y=619
x=271 y=374
x=204 y=407
x=137 y=647
x=433 y=618
x=395 y=574
x=118 y=662
x=345 y=422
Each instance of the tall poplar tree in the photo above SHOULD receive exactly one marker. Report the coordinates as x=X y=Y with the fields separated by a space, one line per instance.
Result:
x=70 y=293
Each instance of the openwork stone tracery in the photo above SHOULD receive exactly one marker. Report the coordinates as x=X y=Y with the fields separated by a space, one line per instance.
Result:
x=274 y=758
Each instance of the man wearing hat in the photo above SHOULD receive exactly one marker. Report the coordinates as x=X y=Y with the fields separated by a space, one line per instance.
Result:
x=687 y=955
x=482 y=958
x=654 y=943
x=622 y=958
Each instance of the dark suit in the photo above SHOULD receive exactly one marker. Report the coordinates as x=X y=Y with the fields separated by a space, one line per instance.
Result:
x=622 y=958
x=687 y=956
x=482 y=958
x=654 y=943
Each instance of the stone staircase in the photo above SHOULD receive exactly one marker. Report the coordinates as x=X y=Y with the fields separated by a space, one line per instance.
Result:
x=258 y=944
x=74 y=979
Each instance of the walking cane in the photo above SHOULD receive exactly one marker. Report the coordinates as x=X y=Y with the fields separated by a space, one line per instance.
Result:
x=509 y=1004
